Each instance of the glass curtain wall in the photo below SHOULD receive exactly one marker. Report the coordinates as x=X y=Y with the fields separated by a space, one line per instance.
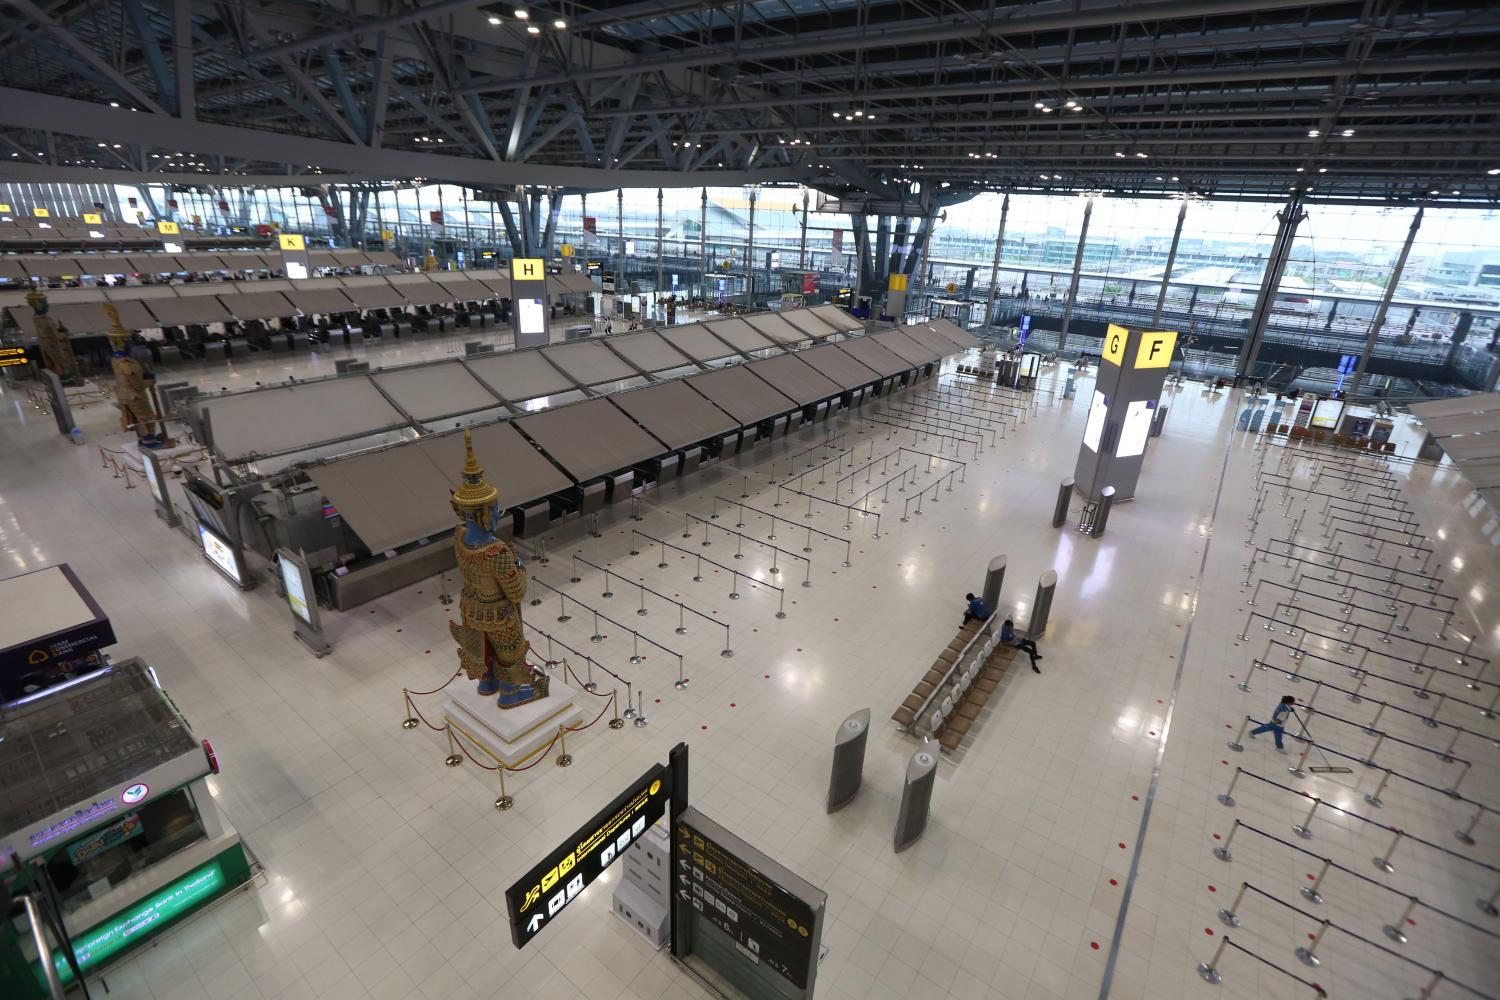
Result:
x=1440 y=326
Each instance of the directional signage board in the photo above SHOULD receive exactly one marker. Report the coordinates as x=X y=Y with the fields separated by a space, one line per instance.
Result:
x=537 y=899
x=529 y=304
x=772 y=917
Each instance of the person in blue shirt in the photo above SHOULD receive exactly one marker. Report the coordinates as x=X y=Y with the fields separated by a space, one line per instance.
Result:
x=1028 y=646
x=1277 y=725
x=977 y=610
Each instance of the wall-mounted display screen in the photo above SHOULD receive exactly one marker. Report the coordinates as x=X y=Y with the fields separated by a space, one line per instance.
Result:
x=1326 y=413
x=1094 y=429
x=219 y=552
x=1136 y=429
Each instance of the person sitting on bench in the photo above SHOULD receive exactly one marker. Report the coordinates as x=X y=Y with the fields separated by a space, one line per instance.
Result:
x=977 y=611
x=1027 y=646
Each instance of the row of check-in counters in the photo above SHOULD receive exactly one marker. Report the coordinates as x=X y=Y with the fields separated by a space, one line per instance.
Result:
x=196 y=318
x=22 y=267
x=372 y=578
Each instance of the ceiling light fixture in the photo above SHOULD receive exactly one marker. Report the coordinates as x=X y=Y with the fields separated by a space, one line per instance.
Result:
x=1118 y=153
x=1140 y=156
x=1347 y=133
x=533 y=29
x=1047 y=111
x=1313 y=133
x=522 y=15
x=837 y=115
x=560 y=24
x=494 y=20
x=1070 y=104
x=1493 y=171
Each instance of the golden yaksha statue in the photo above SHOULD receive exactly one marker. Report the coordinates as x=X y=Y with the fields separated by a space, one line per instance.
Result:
x=57 y=353
x=132 y=380
x=491 y=643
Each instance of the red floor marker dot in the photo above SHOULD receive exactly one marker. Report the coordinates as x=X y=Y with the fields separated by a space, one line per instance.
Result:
x=1094 y=945
x=705 y=728
x=1135 y=798
x=1217 y=837
x=1210 y=931
x=1213 y=889
x=657 y=700
x=1150 y=732
x=1411 y=921
x=1228 y=726
x=1114 y=882
x=733 y=705
x=428 y=652
x=398 y=630
x=768 y=676
x=1122 y=845
x=1312 y=937
x=755 y=630
x=1223 y=762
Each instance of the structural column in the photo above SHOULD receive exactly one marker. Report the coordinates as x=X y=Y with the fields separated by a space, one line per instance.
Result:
x=1289 y=218
x=703 y=241
x=1083 y=235
x=750 y=251
x=1385 y=304
x=620 y=224
x=1166 y=276
x=660 y=218
x=989 y=309
x=802 y=251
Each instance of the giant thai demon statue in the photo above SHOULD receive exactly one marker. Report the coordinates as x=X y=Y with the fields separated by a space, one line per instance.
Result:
x=132 y=385
x=491 y=643
x=52 y=339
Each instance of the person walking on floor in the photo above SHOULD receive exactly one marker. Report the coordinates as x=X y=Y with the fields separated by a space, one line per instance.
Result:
x=1277 y=725
x=977 y=611
x=1008 y=637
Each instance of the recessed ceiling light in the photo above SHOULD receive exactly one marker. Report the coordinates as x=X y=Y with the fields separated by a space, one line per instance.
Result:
x=1078 y=107
x=1047 y=111
x=1174 y=178
x=1493 y=171
x=1322 y=170
x=1453 y=192
x=1347 y=132
x=494 y=20
x=1070 y=104
x=560 y=24
x=1118 y=153
x=1140 y=156
x=522 y=15
x=1433 y=192
x=1039 y=105
x=533 y=29
x=1313 y=133
x=837 y=115
x=1301 y=169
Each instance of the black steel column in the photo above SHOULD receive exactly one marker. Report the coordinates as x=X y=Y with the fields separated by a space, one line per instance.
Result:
x=1289 y=218
x=1385 y=305
x=1083 y=235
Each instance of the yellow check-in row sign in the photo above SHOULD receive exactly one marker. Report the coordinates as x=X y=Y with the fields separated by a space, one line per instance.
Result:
x=1153 y=349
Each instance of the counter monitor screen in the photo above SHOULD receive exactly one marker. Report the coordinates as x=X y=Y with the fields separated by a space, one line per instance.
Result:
x=219 y=552
x=533 y=316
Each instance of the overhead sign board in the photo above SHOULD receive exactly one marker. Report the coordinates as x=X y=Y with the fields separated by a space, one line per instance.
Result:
x=772 y=917
x=166 y=228
x=93 y=219
x=1114 y=344
x=538 y=898
x=1155 y=350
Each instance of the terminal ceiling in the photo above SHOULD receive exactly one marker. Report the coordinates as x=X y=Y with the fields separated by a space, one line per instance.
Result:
x=1380 y=100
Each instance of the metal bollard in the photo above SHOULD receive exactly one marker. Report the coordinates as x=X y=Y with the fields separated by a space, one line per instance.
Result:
x=1300 y=769
x=916 y=799
x=630 y=711
x=1373 y=798
x=562 y=608
x=847 y=771
x=1466 y=835
x=640 y=715
x=1235 y=743
x=1209 y=970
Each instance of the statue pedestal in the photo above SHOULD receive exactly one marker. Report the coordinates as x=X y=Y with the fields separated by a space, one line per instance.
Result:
x=511 y=734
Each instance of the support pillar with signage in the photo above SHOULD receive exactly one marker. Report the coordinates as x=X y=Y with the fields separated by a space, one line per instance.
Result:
x=528 y=294
x=1132 y=371
x=295 y=263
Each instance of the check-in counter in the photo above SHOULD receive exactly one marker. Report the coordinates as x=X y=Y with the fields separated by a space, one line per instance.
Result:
x=621 y=487
x=533 y=520
x=691 y=459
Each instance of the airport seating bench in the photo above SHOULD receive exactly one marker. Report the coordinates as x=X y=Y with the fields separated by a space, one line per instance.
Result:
x=906 y=714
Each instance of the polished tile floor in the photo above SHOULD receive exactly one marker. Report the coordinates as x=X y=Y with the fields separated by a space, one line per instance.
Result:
x=385 y=871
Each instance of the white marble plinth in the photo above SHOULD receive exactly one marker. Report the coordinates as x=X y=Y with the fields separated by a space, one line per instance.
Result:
x=512 y=734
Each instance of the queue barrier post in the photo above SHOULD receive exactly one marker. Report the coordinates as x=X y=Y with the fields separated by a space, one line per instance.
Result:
x=1396 y=931
x=1304 y=829
x=1312 y=893
x=1222 y=852
x=1229 y=915
x=630 y=711
x=504 y=801
x=1383 y=861
x=1466 y=835
x=1308 y=955
x=1227 y=796
x=640 y=715
x=615 y=721
x=1209 y=970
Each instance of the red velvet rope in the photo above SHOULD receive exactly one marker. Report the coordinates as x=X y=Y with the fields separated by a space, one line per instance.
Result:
x=435 y=690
